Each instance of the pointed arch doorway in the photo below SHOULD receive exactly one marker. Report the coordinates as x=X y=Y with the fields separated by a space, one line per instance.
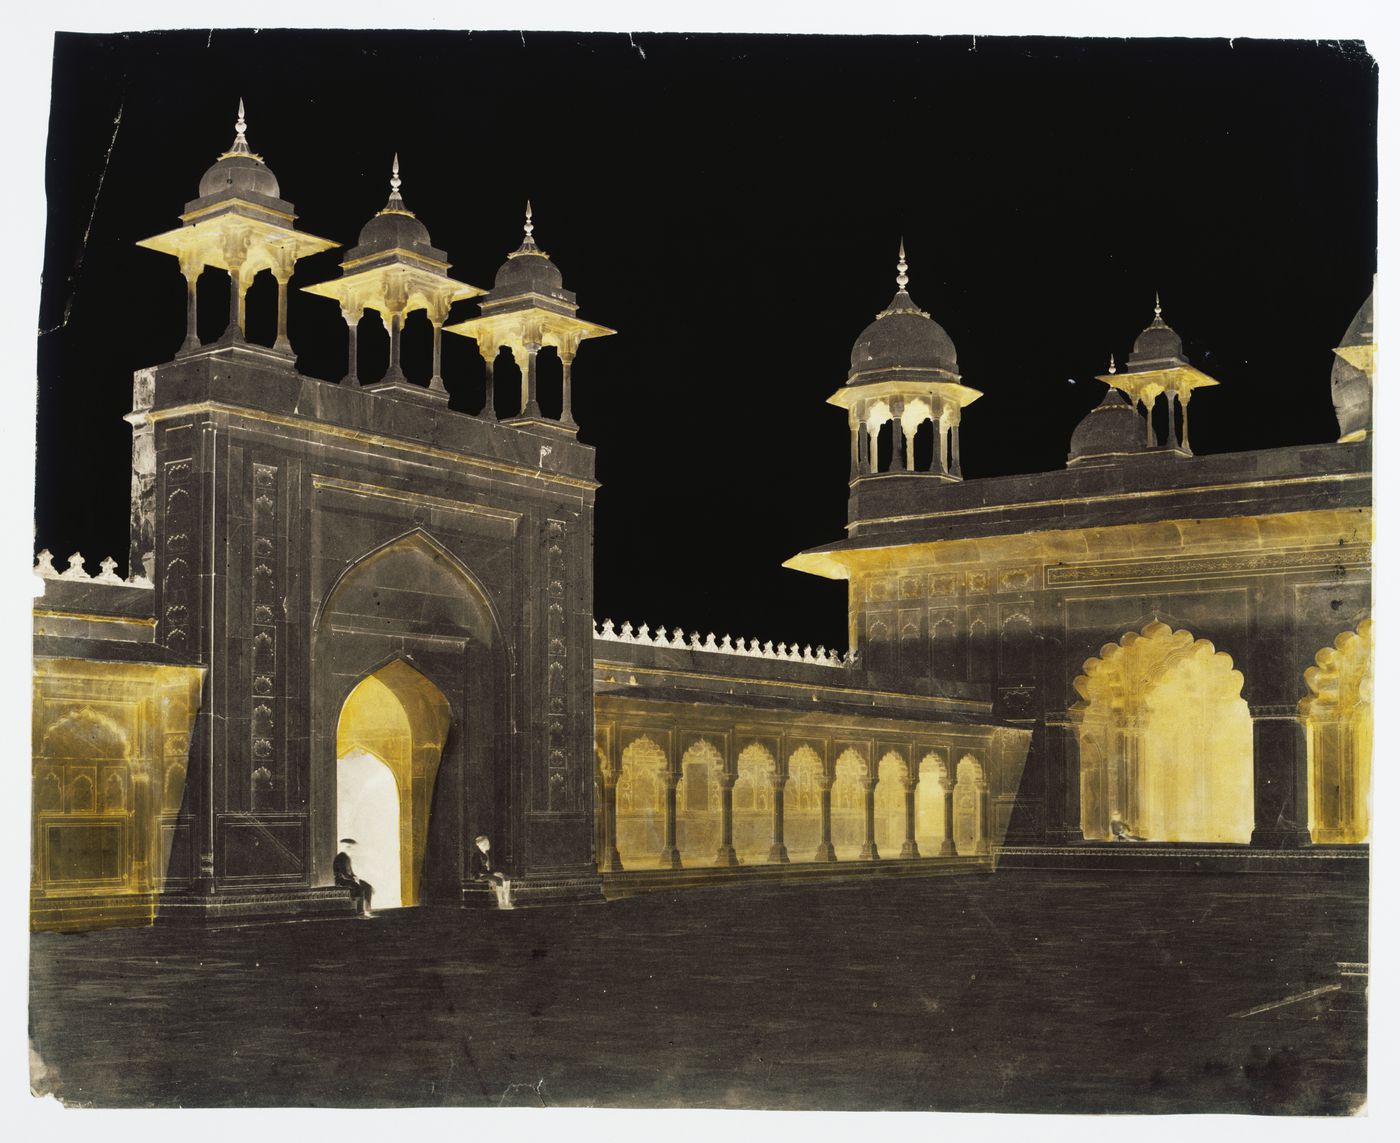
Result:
x=412 y=687
x=389 y=741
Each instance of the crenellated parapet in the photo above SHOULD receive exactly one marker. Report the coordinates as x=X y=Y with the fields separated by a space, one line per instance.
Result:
x=77 y=570
x=752 y=648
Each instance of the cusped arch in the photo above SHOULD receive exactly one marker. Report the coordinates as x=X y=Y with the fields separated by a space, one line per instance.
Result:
x=1140 y=659
x=1341 y=674
x=1165 y=740
x=85 y=734
x=1337 y=716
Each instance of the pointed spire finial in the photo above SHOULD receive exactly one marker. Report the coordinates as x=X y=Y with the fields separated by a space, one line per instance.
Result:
x=1157 y=304
x=902 y=278
x=1112 y=365
x=395 y=199
x=528 y=246
x=240 y=133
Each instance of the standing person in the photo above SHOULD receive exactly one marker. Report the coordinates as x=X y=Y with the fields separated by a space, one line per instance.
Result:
x=361 y=891
x=481 y=870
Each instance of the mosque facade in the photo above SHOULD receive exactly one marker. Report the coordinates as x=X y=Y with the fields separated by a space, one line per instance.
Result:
x=352 y=610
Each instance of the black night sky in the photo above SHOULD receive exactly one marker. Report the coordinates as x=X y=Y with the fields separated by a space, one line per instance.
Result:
x=732 y=205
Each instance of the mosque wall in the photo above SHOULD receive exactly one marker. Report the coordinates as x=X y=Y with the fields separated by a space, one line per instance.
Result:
x=1024 y=614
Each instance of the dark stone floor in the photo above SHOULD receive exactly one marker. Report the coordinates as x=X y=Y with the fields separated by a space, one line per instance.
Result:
x=1020 y=991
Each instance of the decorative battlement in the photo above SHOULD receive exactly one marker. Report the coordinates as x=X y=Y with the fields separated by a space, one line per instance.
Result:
x=726 y=646
x=107 y=573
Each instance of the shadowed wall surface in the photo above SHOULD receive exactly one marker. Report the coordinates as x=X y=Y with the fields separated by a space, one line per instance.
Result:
x=958 y=993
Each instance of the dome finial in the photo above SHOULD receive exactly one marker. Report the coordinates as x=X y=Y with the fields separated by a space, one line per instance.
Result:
x=395 y=202
x=1112 y=365
x=902 y=278
x=528 y=246
x=1157 y=305
x=240 y=133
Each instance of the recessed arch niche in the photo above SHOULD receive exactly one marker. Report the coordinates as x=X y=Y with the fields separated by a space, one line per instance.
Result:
x=1166 y=742
x=410 y=616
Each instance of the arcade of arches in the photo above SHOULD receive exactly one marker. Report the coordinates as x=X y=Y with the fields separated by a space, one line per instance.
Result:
x=389 y=743
x=110 y=749
x=677 y=797
x=1166 y=749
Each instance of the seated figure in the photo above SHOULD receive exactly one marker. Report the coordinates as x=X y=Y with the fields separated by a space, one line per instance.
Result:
x=362 y=891
x=481 y=870
x=1119 y=829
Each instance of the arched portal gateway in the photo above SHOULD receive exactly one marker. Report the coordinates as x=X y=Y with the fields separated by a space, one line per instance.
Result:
x=1337 y=713
x=1165 y=741
x=412 y=703
x=389 y=743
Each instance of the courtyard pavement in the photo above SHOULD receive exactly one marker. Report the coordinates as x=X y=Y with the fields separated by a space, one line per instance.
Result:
x=1019 y=991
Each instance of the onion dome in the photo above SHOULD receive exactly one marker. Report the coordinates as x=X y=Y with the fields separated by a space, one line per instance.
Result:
x=238 y=172
x=395 y=228
x=901 y=338
x=528 y=271
x=1362 y=329
x=1156 y=347
x=1352 y=372
x=1112 y=428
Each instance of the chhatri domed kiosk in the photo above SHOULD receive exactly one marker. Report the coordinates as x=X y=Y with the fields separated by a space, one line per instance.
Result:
x=239 y=224
x=904 y=374
x=394 y=269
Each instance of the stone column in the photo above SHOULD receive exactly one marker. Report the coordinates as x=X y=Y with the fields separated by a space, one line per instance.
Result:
x=488 y=355
x=352 y=325
x=1062 y=781
x=897 y=445
x=941 y=453
x=234 y=330
x=949 y=848
x=192 y=274
x=825 y=850
x=862 y=449
x=983 y=841
x=530 y=406
x=395 y=372
x=778 y=854
x=910 y=848
x=566 y=411
x=955 y=434
x=1280 y=778
x=868 y=850
x=726 y=854
x=1171 y=419
x=435 y=381
x=282 y=343
x=1185 y=425
x=855 y=445
x=1151 y=429
x=670 y=855
x=610 y=861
